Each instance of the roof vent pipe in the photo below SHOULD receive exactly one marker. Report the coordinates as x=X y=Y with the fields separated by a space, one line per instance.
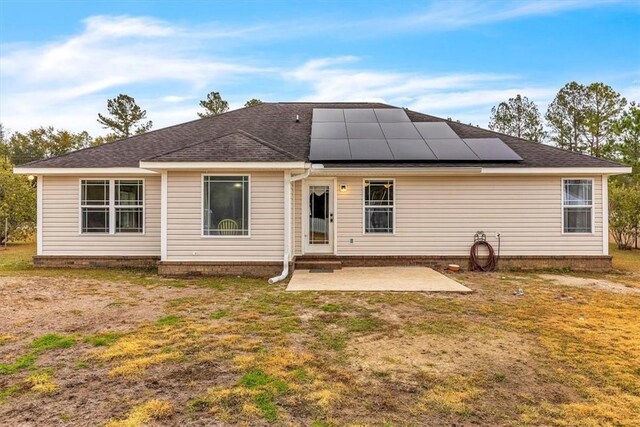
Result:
x=297 y=118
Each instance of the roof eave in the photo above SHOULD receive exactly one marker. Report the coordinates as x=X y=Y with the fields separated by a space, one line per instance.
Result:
x=186 y=166
x=564 y=171
x=319 y=169
x=82 y=171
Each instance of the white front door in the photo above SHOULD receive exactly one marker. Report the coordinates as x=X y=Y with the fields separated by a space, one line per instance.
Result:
x=318 y=216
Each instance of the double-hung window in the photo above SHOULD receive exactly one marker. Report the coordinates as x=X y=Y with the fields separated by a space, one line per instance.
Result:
x=577 y=205
x=95 y=201
x=225 y=205
x=129 y=206
x=112 y=206
x=378 y=206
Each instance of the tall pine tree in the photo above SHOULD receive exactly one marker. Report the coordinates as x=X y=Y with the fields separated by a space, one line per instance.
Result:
x=125 y=116
x=518 y=117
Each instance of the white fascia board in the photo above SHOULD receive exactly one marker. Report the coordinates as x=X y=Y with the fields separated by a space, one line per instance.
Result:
x=223 y=165
x=395 y=171
x=556 y=171
x=82 y=171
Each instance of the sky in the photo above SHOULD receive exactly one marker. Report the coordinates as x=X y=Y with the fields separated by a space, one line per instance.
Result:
x=61 y=60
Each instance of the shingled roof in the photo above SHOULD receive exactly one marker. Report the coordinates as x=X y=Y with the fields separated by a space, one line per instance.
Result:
x=269 y=132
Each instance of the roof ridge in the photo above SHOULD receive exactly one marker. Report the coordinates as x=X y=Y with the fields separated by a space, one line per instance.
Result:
x=334 y=103
x=266 y=143
x=516 y=137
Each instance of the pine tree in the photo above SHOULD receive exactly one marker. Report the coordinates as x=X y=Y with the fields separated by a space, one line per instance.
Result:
x=213 y=105
x=518 y=117
x=125 y=115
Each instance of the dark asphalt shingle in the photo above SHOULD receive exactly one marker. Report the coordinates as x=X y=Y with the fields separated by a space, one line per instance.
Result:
x=269 y=132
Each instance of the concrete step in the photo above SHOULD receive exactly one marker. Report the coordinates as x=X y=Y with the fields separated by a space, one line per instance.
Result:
x=318 y=264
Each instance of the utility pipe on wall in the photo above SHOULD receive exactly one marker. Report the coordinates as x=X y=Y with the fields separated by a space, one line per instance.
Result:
x=288 y=180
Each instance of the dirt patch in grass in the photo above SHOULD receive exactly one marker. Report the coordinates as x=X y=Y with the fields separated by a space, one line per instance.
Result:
x=591 y=283
x=34 y=306
x=443 y=355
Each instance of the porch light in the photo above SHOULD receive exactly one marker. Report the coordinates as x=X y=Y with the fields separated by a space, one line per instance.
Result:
x=31 y=178
x=343 y=188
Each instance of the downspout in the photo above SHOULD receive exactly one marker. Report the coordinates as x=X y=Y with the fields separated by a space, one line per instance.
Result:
x=288 y=180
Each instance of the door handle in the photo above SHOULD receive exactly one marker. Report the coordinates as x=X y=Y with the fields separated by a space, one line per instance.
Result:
x=331 y=217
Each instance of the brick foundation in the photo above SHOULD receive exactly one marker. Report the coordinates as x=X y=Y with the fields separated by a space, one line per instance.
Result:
x=578 y=263
x=95 y=261
x=269 y=269
x=245 y=269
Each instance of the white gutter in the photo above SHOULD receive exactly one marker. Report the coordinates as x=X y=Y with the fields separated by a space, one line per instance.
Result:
x=81 y=171
x=221 y=165
x=319 y=170
x=288 y=180
x=557 y=171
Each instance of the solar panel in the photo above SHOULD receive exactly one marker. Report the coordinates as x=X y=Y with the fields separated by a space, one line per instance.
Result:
x=370 y=149
x=328 y=115
x=491 y=149
x=329 y=149
x=410 y=149
x=435 y=130
x=388 y=134
x=391 y=115
x=364 y=130
x=330 y=130
x=360 y=115
x=399 y=130
x=451 y=149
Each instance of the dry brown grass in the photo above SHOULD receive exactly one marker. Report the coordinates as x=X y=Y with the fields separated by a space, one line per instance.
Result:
x=42 y=383
x=142 y=414
x=239 y=352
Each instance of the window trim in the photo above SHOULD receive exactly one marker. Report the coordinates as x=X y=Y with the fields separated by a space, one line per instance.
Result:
x=592 y=206
x=364 y=230
x=112 y=206
x=241 y=236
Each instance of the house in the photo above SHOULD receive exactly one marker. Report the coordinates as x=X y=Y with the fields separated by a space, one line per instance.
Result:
x=255 y=190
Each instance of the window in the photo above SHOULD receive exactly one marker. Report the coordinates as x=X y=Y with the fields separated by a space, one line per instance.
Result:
x=129 y=206
x=378 y=206
x=95 y=206
x=577 y=205
x=112 y=206
x=225 y=206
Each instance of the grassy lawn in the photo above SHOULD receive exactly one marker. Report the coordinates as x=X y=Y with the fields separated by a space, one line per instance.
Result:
x=128 y=348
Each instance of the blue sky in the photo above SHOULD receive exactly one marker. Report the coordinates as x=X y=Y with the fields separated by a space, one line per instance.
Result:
x=60 y=61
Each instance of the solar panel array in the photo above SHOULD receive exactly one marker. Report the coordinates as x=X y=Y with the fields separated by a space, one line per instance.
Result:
x=387 y=134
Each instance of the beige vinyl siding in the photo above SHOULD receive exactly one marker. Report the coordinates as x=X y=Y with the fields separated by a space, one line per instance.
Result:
x=184 y=220
x=297 y=217
x=440 y=215
x=61 y=226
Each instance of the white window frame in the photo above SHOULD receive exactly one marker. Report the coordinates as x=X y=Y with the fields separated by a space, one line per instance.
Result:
x=592 y=206
x=239 y=236
x=364 y=206
x=112 y=206
x=116 y=207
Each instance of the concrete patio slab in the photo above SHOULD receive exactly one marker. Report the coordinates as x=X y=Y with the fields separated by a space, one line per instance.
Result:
x=379 y=279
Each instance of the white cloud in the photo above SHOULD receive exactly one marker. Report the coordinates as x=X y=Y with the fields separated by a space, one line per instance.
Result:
x=56 y=82
x=443 y=16
x=167 y=67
